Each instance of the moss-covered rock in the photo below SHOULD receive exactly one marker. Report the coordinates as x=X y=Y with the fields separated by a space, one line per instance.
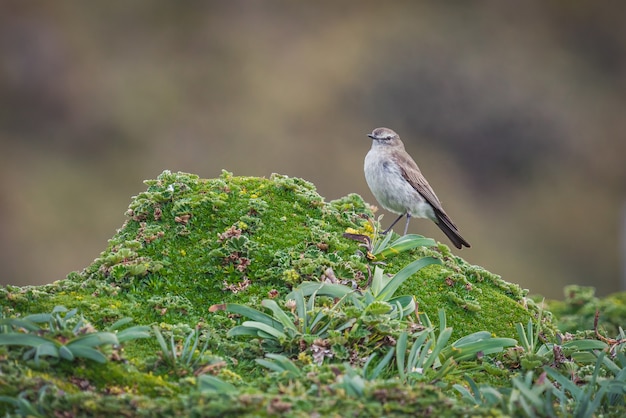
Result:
x=189 y=244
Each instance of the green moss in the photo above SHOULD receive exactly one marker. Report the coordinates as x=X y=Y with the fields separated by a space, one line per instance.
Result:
x=191 y=243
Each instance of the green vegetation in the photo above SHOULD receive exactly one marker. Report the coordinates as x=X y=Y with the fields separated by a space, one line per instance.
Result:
x=255 y=297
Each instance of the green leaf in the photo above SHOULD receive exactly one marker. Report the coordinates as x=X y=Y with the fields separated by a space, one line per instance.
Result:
x=326 y=289
x=61 y=308
x=161 y=340
x=523 y=339
x=418 y=346
x=384 y=362
x=209 y=383
x=95 y=339
x=380 y=245
x=253 y=314
x=260 y=326
x=468 y=351
x=406 y=303
x=399 y=278
x=378 y=281
x=20 y=323
x=240 y=330
x=47 y=349
x=22 y=339
x=65 y=353
x=301 y=306
x=442 y=318
x=442 y=340
x=88 y=353
x=404 y=243
x=280 y=364
x=401 y=345
x=279 y=314
x=466 y=394
x=585 y=345
x=120 y=323
x=133 y=333
x=528 y=394
x=476 y=336
x=38 y=318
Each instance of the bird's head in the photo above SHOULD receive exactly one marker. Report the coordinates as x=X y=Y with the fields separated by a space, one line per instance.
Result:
x=385 y=137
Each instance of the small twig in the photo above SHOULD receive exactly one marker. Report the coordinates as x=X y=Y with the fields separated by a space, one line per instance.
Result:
x=610 y=341
x=369 y=276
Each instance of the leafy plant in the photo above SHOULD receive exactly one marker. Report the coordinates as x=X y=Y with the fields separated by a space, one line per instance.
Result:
x=598 y=392
x=23 y=407
x=379 y=247
x=351 y=382
x=532 y=355
x=281 y=364
x=484 y=395
x=576 y=393
x=186 y=358
x=616 y=387
x=299 y=320
x=62 y=337
x=382 y=289
x=533 y=398
x=128 y=334
x=430 y=351
x=210 y=383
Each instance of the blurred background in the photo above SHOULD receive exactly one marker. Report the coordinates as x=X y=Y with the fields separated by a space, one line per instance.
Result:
x=515 y=113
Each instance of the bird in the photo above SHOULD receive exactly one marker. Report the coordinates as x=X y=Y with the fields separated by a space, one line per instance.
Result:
x=399 y=186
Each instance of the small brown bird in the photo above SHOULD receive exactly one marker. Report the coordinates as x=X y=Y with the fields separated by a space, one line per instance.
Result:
x=399 y=186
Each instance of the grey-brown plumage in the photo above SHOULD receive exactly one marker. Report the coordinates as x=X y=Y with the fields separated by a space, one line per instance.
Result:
x=399 y=186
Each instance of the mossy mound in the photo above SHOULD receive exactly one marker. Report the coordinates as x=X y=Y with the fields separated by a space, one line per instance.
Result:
x=191 y=243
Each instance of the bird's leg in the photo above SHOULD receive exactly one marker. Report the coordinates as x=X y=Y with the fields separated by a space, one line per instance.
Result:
x=408 y=218
x=391 y=226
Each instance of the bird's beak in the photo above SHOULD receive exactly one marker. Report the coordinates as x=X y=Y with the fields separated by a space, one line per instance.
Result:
x=371 y=136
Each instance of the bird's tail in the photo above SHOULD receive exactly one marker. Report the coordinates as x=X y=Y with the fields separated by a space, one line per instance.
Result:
x=447 y=226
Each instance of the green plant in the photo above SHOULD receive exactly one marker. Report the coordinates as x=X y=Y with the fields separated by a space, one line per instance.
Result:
x=209 y=383
x=351 y=382
x=281 y=364
x=575 y=394
x=186 y=359
x=382 y=289
x=585 y=399
x=62 y=337
x=483 y=395
x=525 y=397
x=128 y=334
x=604 y=389
x=300 y=320
x=430 y=351
x=379 y=247
x=531 y=355
x=616 y=387
x=23 y=407
x=534 y=397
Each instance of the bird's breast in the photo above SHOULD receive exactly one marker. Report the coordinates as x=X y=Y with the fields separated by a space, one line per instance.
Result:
x=392 y=191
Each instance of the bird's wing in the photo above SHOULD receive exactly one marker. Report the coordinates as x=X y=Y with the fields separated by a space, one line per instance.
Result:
x=418 y=181
x=414 y=176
